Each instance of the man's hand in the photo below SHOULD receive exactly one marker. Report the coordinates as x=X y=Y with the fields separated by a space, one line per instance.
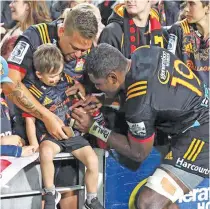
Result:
x=83 y=121
x=90 y=105
x=77 y=87
x=54 y=126
x=12 y=140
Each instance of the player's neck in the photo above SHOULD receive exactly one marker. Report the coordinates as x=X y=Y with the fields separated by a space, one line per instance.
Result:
x=203 y=26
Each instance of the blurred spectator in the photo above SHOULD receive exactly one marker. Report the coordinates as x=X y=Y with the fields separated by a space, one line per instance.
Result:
x=169 y=11
x=132 y=25
x=106 y=10
x=58 y=7
x=26 y=13
x=6 y=17
x=11 y=145
x=189 y=39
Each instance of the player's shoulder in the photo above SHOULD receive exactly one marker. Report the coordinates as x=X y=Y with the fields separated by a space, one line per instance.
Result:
x=144 y=61
x=180 y=26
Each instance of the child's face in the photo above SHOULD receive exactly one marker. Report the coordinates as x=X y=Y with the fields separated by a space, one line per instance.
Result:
x=50 y=79
x=195 y=11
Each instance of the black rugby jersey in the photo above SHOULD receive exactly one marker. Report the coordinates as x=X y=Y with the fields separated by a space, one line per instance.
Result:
x=53 y=98
x=21 y=58
x=163 y=93
x=188 y=44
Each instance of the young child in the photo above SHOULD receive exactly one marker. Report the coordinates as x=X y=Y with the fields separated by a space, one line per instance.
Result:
x=50 y=91
x=11 y=145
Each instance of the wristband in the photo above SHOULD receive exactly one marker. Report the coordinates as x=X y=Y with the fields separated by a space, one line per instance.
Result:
x=100 y=131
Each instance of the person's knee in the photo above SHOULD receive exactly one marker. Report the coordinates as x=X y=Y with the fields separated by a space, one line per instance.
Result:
x=145 y=200
x=46 y=152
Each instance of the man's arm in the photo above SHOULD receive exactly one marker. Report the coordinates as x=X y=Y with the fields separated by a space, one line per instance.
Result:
x=127 y=146
x=20 y=95
x=132 y=147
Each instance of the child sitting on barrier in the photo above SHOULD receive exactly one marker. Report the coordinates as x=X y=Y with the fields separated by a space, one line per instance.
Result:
x=11 y=145
x=51 y=91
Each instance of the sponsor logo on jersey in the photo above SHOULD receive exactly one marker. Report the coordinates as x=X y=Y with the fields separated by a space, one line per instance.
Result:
x=172 y=43
x=163 y=74
x=205 y=101
x=169 y=156
x=137 y=128
x=181 y=163
x=19 y=52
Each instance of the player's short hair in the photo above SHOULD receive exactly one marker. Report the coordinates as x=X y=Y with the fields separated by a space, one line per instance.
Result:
x=47 y=59
x=81 y=20
x=103 y=59
x=205 y=3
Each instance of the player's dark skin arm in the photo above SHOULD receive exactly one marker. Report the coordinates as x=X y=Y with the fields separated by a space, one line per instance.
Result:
x=122 y=144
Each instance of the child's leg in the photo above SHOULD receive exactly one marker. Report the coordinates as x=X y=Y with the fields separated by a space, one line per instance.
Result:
x=47 y=151
x=89 y=158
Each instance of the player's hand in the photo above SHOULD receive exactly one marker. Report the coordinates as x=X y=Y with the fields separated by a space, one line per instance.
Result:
x=54 y=126
x=27 y=151
x=74 y=89
x=12 y=140
x=68 y=131
x=83 y=120
x=90 y=105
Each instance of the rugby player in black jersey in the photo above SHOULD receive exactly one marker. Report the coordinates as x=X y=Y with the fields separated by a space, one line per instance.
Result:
x=161 y=93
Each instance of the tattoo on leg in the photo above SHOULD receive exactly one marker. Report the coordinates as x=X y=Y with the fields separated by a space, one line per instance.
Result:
x=18 y=95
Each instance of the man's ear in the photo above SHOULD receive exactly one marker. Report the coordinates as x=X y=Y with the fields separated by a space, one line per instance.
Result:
x=61 y=30
x=112 y=77
x=38 y=74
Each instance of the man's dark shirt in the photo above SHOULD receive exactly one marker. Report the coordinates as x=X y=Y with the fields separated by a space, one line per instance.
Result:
x=189 y=45
x=53 y=98
x=162 y=93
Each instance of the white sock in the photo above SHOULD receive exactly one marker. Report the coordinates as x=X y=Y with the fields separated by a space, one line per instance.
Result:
x=90 y=196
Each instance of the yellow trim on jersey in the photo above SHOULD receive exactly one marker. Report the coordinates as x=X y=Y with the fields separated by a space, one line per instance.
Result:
x=35 y=91
x=136 y=95
x=194 y=149
x=40 y=32
x=198 y=151
x=47 y=33
x=185 y=26
x=137 y=83
x=136 y=89
x=43 y=31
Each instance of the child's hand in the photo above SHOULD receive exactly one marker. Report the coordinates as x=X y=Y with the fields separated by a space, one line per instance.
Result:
x=27 y=151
